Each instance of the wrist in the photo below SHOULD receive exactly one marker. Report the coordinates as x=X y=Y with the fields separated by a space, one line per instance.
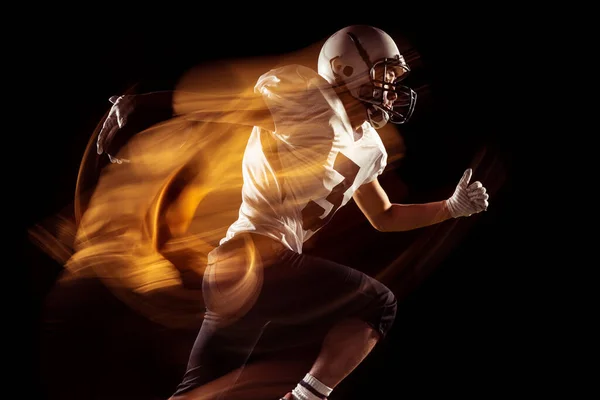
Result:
x=446 y=211
x=450 y=208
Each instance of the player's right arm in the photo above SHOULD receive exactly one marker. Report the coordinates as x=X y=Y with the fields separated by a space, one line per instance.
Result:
x=247 y=109
x=282 y=100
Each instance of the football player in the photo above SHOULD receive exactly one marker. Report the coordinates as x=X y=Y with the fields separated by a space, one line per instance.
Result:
x=313 y=147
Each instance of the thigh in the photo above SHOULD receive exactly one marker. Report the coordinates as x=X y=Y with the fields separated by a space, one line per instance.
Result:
x=229 y=332
x=303 y=291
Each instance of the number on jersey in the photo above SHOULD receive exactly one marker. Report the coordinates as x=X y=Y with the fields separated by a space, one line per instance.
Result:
x=311 y=214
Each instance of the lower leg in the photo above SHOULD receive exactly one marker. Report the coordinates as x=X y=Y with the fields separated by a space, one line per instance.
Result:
x=335 y=361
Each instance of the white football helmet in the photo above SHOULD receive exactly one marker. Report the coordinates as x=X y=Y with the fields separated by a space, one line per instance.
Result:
x=368 y=63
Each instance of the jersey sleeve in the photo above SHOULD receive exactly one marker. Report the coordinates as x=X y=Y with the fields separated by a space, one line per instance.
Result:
x=381 y=164
x=297 y=104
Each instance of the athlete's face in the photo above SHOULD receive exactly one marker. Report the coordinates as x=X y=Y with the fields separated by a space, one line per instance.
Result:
x=379 y=89
x=382 y=77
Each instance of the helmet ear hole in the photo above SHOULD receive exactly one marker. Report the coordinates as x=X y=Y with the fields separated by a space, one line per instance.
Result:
x=339 y=68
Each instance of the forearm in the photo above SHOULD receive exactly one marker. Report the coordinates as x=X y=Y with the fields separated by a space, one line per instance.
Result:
x=152 y=107
x=175 y=102
x=404 y=217
x=240 y=108
x=159 y=100
x=246 y=109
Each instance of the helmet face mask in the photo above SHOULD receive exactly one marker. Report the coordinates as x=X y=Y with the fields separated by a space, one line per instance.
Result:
x=366 y=62
x=385 y=91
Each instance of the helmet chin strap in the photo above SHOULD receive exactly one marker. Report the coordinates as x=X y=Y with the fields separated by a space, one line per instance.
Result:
x=377 y=117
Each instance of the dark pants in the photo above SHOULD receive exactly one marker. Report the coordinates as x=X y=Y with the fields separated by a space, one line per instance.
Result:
x=282 y=299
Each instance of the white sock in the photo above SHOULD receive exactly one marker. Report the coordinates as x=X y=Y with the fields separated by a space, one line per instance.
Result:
x=310 y=388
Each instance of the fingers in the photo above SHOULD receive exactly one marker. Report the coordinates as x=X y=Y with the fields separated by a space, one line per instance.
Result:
x=478 y=196
x=114 y=121
x=476 y=190
x=109 y=129
x=121 y=119
x=464 y=181
x=111 y=133
x=474 y=186
x=481 y=205
x=480 y=201
x=107 y=126
x=116 y=160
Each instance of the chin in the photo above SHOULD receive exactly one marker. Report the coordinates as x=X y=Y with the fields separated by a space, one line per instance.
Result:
x=377 y=117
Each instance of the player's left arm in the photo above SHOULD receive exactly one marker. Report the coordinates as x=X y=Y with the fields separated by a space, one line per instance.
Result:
x=386 y=216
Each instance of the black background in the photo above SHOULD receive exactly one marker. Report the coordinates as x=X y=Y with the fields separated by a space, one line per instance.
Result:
x=456 y=332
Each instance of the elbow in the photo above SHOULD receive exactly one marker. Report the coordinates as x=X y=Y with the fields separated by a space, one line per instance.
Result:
x=380 y=223
x=385 y=222
x=379 y=228
x=382 y=227
x=381 y=220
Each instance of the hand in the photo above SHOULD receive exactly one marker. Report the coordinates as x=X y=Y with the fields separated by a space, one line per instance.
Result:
x=122 y=106
x=467 y=199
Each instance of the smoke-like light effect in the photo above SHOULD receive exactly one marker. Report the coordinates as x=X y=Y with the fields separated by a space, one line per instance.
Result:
x=146 y=227
x=183 y=180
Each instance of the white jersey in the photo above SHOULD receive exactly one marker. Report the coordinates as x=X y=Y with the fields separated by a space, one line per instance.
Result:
x=297 y=177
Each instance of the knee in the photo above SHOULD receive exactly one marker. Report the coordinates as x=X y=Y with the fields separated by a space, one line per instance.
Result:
x=390 y=305
x=384 y=309
x=388 y=300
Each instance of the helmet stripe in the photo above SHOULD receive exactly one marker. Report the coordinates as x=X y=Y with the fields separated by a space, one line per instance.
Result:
x=361 y=50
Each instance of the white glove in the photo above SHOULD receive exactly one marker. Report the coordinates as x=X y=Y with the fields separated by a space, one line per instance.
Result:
x=116 y=119
x=467 y=199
